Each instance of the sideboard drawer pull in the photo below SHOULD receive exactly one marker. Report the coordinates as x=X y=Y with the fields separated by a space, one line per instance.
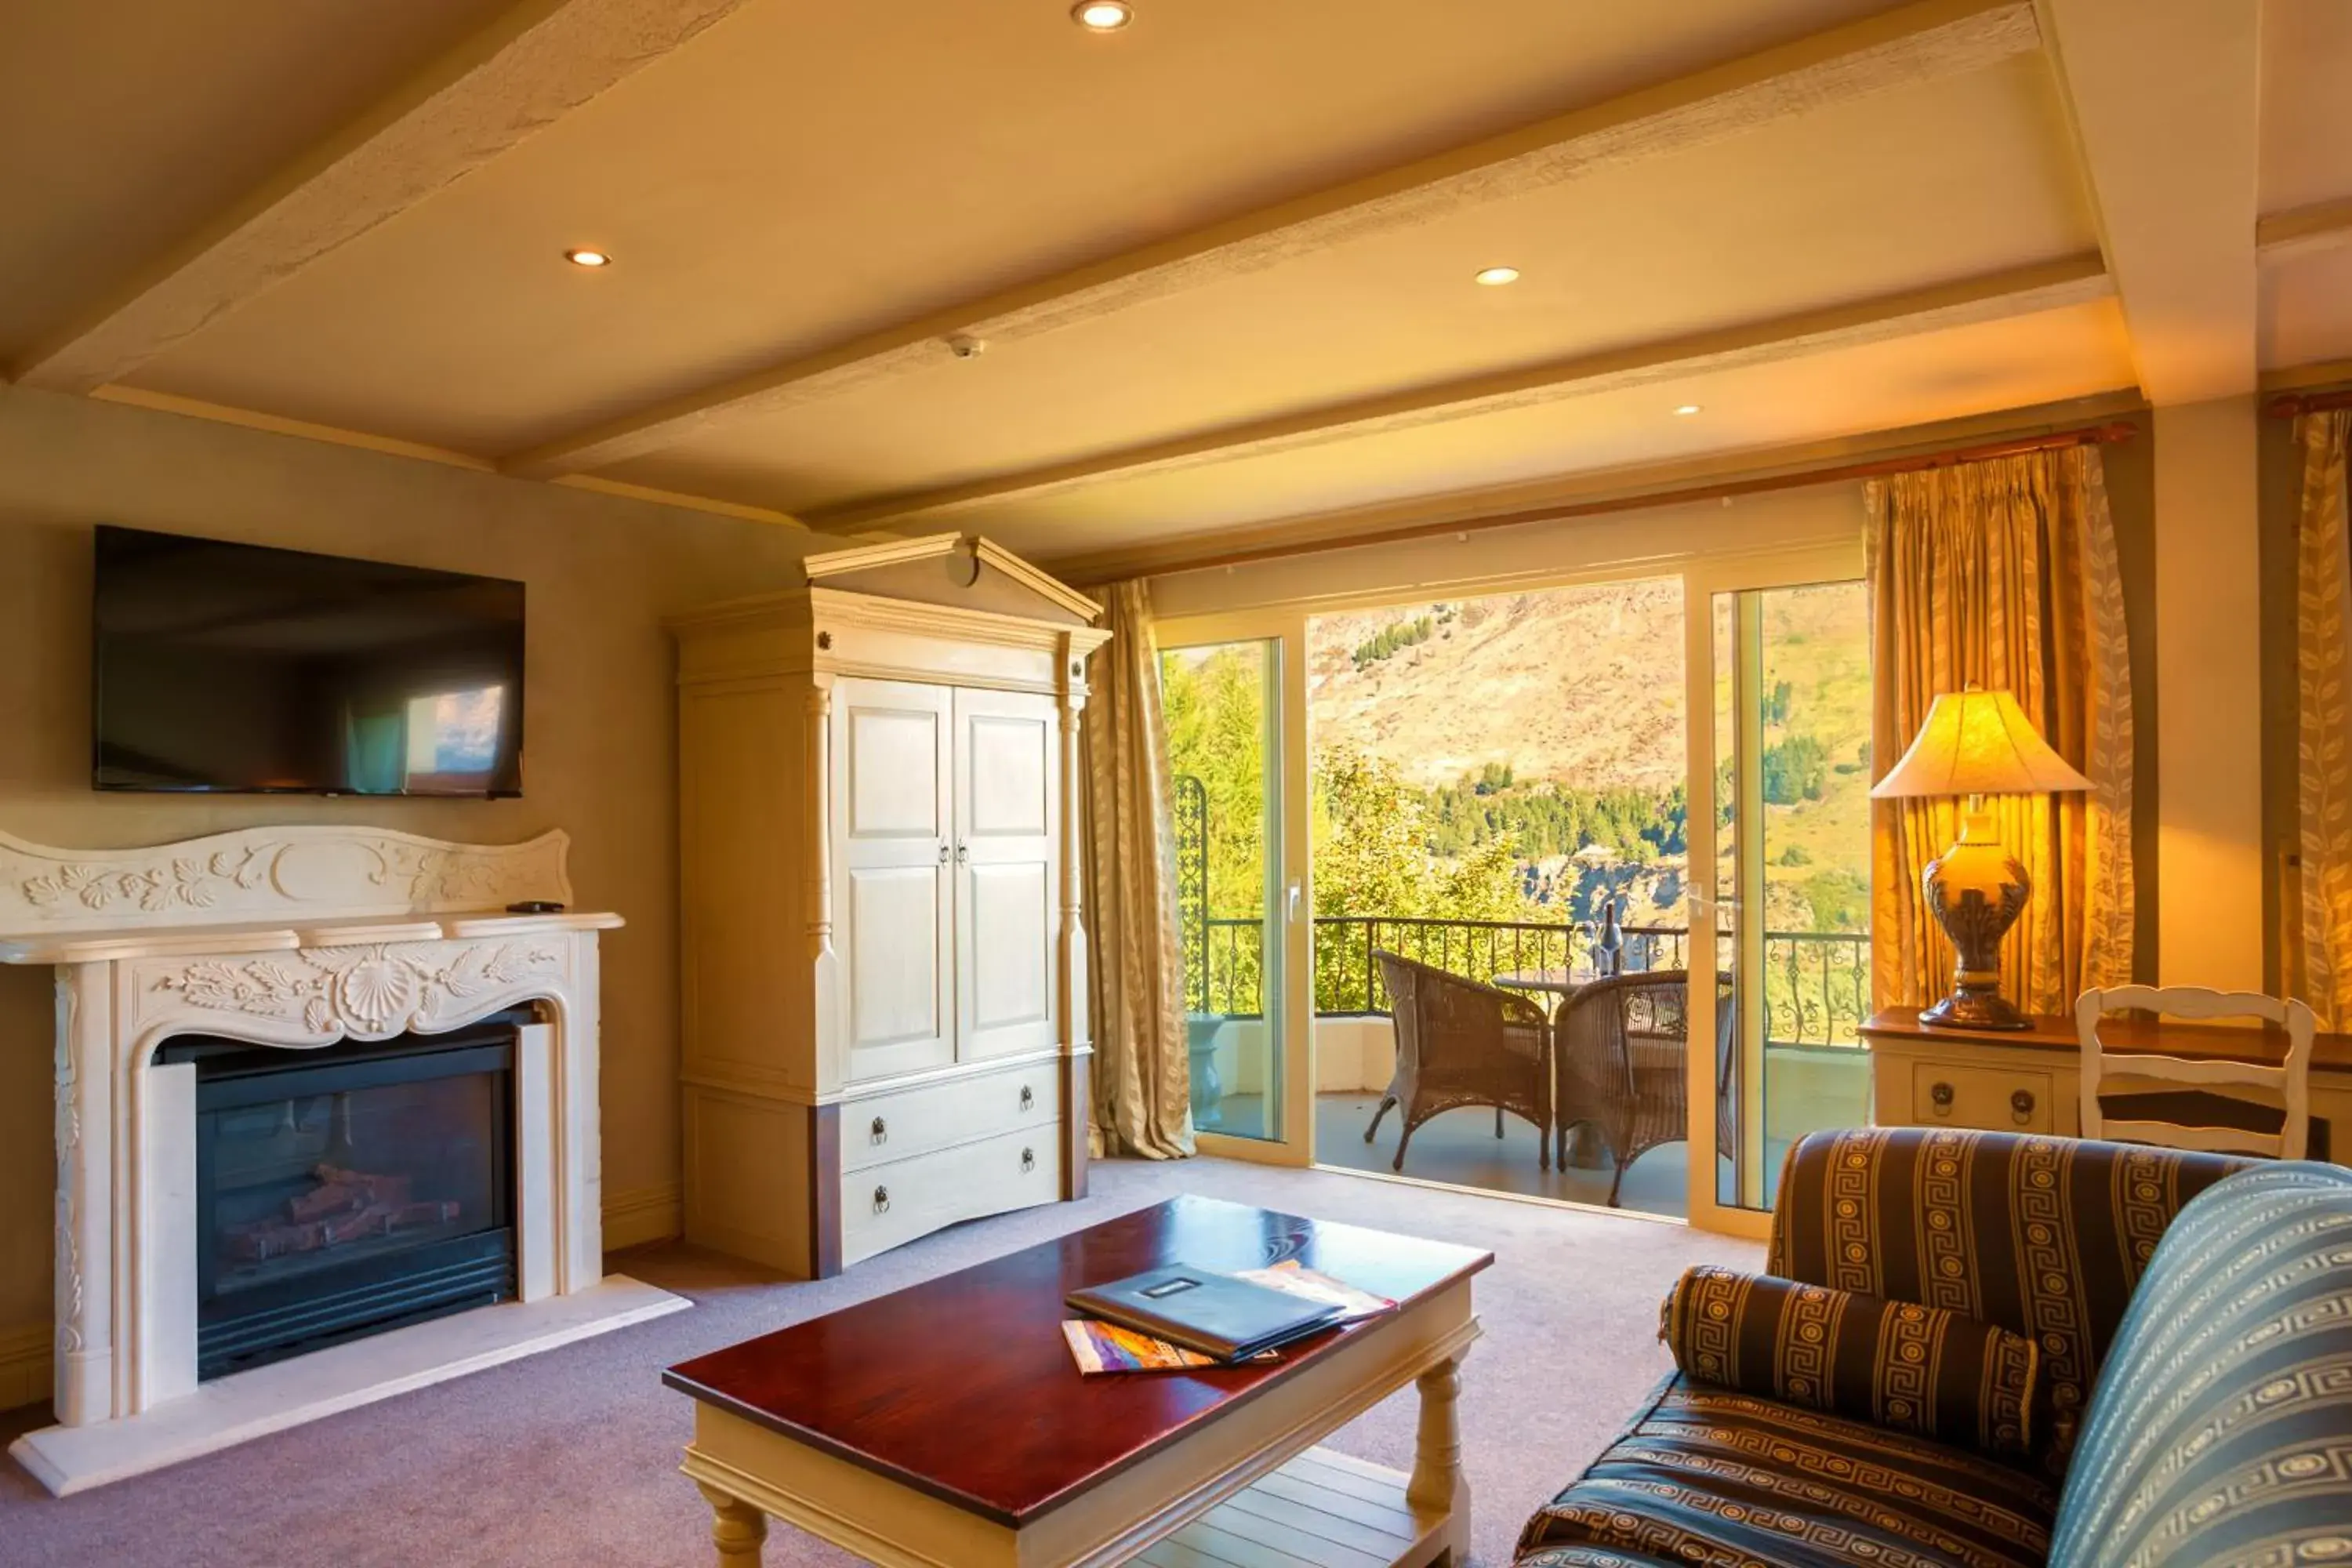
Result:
x=1028 y=1097
x=879 y=1132
x=2020 y=1106
x=881 y=1200
x=1941 y=1094
x=1028 y=1159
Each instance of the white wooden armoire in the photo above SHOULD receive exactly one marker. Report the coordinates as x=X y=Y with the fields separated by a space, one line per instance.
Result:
x=883 y=963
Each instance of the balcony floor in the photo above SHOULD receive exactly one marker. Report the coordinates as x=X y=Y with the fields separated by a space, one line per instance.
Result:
x=1460 y=1149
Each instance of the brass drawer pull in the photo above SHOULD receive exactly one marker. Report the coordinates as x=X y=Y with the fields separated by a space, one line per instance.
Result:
x=1028 y=1097
x=881 y=1200
x=1028 y=1159
x=879 y=1132
x=1941 y=1093
x=2020 y=1106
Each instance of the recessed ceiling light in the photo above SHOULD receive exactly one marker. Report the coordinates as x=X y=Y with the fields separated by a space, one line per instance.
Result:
x=588 y=258
x=1687 y=408
x=1496 y=277
x=1102 y=16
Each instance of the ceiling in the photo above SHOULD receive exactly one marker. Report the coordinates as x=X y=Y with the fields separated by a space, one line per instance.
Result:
x=1217 y=267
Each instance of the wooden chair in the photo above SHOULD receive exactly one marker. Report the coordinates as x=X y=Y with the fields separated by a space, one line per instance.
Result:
x=1618 y=1049
x=2290 y=1079
x=1460 y=1042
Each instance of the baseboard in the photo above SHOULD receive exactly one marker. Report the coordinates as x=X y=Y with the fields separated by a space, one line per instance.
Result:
x=25 y=1365
x=646 y=1214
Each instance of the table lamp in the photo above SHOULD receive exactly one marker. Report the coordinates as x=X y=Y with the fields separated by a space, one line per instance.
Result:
x=1975 y=743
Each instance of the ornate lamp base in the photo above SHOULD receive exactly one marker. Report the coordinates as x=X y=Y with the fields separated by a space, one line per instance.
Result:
x=1976 y=891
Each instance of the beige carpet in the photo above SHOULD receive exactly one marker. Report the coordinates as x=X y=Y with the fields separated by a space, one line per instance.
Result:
x=570 y=1458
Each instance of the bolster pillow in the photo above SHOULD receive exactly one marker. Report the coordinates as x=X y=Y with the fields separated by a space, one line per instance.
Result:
x=1893 y=1363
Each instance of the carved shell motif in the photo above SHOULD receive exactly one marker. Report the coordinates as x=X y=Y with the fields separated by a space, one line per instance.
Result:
x=366 y=990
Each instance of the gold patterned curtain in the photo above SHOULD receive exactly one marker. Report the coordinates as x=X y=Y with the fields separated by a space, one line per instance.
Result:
x=1142 y=1087
x=2320 y=963
x=2003 y=572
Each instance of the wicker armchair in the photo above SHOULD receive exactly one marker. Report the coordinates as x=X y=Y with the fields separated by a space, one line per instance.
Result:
x=1618 y=1050
x=1460 y=1042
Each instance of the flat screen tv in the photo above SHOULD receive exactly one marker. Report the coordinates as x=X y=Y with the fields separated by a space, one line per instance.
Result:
x=236 y=668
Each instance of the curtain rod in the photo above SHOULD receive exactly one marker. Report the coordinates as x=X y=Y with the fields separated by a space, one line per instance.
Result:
x=2294 y=402
x=1880 y=468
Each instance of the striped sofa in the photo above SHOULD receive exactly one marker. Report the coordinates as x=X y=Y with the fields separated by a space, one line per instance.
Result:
x=2193 y=1318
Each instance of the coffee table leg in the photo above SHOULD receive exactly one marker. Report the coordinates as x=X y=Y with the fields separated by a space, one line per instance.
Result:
x=737 y=1529
x=1437 y=1483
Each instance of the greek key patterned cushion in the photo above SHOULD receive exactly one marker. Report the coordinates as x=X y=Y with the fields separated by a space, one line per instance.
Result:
x=1714 y=1475
x=2046 y=1237
x=2222 y=1431
x=1893 y=1363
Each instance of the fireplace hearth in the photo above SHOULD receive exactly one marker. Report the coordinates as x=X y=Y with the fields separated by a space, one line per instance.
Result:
x=351 y=1190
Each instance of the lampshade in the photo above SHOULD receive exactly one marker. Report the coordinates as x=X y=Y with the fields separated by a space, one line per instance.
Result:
x=1979 y=742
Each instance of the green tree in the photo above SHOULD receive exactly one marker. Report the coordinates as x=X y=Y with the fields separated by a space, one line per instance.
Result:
x=1795 y=769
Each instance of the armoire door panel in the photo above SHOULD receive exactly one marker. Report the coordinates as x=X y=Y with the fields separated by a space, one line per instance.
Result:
x=1008 y=905
x=894 y=915
x=1009 y=758
x=894 y=758
x=1012 y=910
x=893 y=900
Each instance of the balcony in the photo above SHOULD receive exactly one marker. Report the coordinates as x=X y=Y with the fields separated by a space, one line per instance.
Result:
x=1817 y=983
x=1816 y=1074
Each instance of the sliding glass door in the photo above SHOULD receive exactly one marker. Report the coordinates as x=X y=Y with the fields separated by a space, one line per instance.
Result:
x=1239 y=895
x=1779 y=860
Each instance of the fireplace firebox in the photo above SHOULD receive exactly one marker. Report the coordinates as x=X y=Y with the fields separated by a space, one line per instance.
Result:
x=348 y=1190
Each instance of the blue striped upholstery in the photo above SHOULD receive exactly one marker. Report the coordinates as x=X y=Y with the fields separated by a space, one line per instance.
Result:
x=2221 y=1432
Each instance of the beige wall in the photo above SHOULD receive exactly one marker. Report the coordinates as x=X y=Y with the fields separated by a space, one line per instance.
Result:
x=2210 y=845
x=601 y=573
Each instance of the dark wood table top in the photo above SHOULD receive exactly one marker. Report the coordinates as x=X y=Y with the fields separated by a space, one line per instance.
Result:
x=2162 y=1036
x=962 y=1388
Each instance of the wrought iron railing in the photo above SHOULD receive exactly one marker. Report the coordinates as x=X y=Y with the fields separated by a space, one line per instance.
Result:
x=1816 y=984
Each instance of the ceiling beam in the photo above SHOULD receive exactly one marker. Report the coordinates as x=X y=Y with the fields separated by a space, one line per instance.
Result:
x=1578 y=494
x=1915 y=43
x=536 y=63
x=2017 y=292
x=2163 y=97
x=2302 y=231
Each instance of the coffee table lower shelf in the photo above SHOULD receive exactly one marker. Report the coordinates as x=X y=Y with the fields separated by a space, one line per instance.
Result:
x=1322 y=1509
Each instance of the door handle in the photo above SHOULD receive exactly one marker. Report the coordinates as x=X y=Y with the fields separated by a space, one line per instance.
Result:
x=1293 y=907
x=943 y=854
x=963 y=853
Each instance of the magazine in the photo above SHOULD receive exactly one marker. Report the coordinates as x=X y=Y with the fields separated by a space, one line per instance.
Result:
x=1100 y=1347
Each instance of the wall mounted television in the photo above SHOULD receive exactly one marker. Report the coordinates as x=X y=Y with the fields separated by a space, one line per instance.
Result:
x=237 y=668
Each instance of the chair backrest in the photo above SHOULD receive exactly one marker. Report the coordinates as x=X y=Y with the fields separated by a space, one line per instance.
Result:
x=2290 y=1079
x=1436 y=1012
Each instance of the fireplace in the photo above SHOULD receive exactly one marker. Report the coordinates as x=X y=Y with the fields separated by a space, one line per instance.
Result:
x=312 y=1083
x=350 y=1190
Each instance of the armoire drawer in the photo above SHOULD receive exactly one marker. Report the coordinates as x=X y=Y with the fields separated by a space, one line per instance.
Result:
x=876 y=1128
x=885 y=1206
x=1946 y=1094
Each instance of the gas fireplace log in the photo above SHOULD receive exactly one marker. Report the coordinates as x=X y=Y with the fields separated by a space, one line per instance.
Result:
x=342 y=1191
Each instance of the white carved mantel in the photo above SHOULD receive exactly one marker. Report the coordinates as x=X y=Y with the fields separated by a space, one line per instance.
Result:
x=297 y=938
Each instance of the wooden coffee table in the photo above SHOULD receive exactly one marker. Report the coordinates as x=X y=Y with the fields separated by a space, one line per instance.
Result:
x=945 y=1426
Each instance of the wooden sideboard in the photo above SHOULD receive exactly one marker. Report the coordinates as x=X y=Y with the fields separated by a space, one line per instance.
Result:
x=2032 y=1080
